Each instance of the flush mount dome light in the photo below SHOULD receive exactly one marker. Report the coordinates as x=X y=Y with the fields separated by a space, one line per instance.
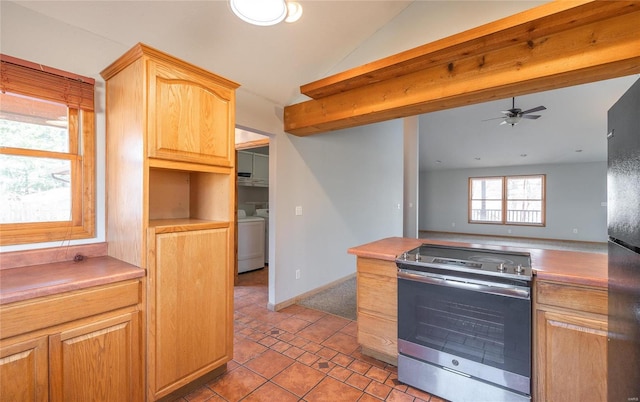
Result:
x=260 y=12
x=294 y=11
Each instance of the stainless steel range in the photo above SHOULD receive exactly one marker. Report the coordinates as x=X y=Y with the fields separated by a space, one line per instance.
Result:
x=464 y=323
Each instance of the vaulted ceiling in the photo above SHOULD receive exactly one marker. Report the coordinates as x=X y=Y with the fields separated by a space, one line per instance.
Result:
x=272 y=62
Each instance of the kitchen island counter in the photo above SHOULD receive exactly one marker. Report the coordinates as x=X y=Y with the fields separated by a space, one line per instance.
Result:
x=571 y=267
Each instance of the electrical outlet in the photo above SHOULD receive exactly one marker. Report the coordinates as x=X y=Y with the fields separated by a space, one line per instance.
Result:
x=299 y=210
x=575 y=231
x=453 y=224
x=297 y=274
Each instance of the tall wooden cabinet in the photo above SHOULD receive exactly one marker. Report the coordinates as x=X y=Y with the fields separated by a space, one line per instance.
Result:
x=171 y=207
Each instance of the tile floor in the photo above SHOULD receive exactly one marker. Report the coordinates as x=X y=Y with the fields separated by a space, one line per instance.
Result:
x=298 y=354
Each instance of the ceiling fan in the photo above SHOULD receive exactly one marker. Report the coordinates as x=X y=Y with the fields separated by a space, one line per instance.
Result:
x=513 y=115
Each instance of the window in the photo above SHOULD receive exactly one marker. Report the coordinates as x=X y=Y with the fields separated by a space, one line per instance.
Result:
x=507 y=200
x=47 y=153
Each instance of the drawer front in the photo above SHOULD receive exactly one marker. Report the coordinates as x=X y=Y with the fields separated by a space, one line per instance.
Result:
x=378 y=295
x=377 y=267
x=580 y=298
x=23 y=317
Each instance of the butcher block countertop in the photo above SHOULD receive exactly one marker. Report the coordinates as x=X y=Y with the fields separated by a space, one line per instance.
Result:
x=572 y=267
x=27 y=282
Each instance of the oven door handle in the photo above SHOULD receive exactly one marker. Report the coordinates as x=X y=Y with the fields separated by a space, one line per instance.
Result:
x=510 y=291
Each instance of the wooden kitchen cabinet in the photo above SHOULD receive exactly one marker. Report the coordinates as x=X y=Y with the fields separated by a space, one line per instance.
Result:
x=24 y=370
x=190 y=114
x=570 y=349
x=377 y=303
x=91 y=355
x=171 y=208
x=189 y=334
x=96 y=362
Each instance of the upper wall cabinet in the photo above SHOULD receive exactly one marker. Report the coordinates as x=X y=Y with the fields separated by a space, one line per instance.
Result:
x=189 y=115
x=189 y=112
x=253 y=169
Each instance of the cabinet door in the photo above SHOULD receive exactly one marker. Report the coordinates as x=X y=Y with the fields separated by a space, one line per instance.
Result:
x=261 y=170
x=190 y=117
x=245 y=162
x=97 y=362
x=24 y=371
x=190 y=307
x=573 y=358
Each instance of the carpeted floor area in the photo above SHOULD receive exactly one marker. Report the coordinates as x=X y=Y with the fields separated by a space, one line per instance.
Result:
x=338 y=300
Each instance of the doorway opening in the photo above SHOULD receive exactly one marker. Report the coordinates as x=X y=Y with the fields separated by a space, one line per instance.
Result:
x=252 y=207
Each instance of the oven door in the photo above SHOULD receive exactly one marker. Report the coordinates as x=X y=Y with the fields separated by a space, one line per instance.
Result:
x=472 y=330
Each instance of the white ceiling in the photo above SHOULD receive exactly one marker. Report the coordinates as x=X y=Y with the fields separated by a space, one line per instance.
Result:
x=272 y=62
x=575 y=120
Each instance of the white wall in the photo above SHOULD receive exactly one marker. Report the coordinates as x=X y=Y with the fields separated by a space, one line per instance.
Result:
x=574 y=196
x=349 y=185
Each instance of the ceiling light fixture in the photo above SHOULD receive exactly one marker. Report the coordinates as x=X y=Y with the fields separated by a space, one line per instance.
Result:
x=266 y=12
x=294 y=11
x=513 y=120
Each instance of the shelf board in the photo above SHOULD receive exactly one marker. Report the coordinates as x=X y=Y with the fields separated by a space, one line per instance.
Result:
x=185 y=225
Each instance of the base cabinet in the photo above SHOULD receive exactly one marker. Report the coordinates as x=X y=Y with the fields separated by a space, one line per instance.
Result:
x=377 y=300
x=571 y=343
x=95 y=358
x=190 y=307
x=96 y=362
x=24 y=371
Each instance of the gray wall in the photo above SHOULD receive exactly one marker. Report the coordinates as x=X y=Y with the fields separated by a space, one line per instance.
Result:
x=349 y=185
x=575 y=193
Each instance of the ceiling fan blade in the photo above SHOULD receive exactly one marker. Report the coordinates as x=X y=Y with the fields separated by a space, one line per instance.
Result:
x=535 y=109
x=495 y=118
x=530 y=116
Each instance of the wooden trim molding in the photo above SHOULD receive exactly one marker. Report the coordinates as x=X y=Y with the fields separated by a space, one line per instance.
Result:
x=252 y=144
x=556 y=45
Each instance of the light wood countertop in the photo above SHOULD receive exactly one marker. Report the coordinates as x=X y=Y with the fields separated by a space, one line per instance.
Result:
x=572 y=267
x=23 y=283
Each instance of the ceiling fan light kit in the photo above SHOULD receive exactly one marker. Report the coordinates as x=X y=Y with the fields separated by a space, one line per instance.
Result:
x=514 y=115
x=266 y=12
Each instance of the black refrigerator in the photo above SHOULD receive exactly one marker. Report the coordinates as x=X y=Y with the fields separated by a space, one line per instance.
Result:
x=623 y=221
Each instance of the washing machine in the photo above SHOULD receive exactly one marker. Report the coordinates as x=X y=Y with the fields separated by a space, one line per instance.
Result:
x=250 y=242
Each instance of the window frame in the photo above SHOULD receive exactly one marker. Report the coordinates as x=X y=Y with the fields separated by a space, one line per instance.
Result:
x=504 y=200
x=40 y=82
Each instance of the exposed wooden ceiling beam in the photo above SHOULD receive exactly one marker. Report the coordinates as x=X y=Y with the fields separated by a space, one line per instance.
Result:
x=556 y=45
